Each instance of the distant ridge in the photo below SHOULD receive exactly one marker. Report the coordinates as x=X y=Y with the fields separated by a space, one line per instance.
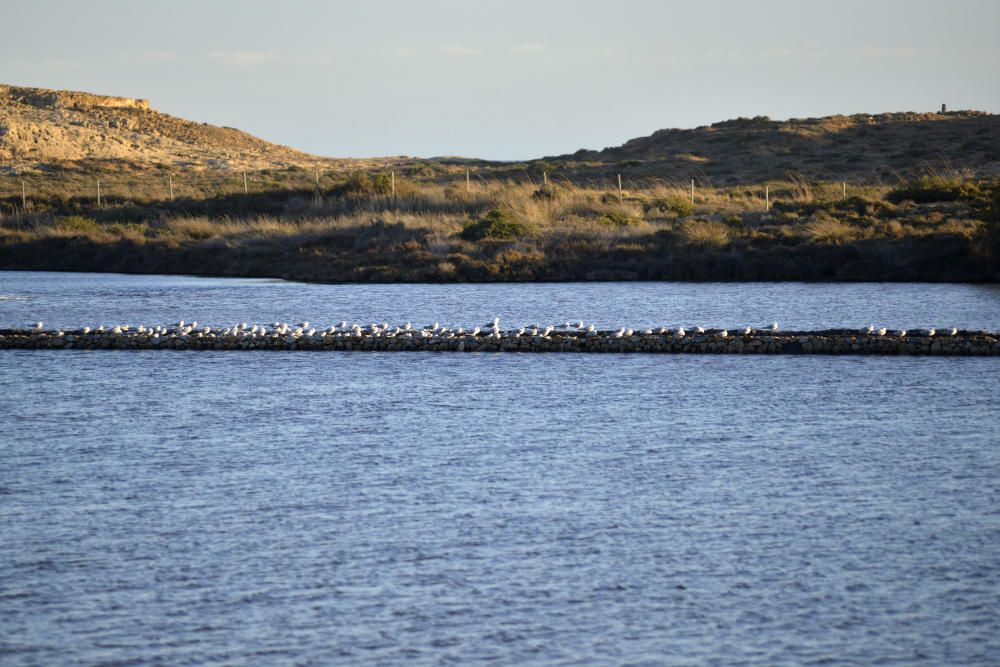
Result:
x=41 y=126
x=860 y=146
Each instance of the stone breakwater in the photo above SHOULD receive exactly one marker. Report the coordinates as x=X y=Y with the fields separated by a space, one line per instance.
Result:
x=838 y=341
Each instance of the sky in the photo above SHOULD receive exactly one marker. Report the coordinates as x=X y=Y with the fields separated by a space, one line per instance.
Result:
x=505 y=80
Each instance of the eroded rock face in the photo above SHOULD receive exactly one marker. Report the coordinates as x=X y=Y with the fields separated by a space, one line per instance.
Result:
x=57 y=99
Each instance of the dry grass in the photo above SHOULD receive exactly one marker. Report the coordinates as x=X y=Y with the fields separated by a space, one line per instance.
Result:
x=829 y=231
x=573 y=232
x=706 y=233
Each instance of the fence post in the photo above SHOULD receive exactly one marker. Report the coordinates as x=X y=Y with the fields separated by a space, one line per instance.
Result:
x=845 y=190
x=468 y=184
x=767 y=198
x=98 y=193
x=170 y=186
x=245 y=189
x=692 y=191
x=620 y=198
x=24 y=197
x=545 y=178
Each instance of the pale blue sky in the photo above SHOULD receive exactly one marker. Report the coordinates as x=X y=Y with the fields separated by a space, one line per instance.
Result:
x=505 y=80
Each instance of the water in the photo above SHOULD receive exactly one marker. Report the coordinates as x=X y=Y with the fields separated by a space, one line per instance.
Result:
x=358 y=508
x=78 y=299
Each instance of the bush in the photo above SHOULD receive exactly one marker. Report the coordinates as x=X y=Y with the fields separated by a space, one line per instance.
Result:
x=497 y=225
x=931 y=189
x=360 y=183
x=79 y=224
x=615 y=219
x=679 y=206
x=829 y=231
x=547 y=193
x=706 y=233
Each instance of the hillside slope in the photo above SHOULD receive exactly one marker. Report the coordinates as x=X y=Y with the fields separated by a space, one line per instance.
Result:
x=858 y=147
x=40 y=126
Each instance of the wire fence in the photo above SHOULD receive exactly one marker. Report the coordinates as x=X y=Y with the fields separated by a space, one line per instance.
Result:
x=62 y=189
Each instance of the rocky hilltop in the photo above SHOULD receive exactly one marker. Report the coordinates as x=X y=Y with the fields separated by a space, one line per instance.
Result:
x=40 y=126
x=858 y=147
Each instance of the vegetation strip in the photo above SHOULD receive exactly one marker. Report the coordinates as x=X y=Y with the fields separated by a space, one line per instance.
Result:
x=940 y=227
x=836 y=341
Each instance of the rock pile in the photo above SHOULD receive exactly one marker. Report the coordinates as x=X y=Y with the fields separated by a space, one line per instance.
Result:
x=491 y=339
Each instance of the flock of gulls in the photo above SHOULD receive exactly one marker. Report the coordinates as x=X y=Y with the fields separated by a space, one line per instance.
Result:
x=436 y=330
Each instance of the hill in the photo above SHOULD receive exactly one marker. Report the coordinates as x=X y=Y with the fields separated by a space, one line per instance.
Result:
x=858 y=148
x=40 y=126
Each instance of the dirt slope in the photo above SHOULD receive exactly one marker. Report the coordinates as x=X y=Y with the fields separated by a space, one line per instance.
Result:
x=39 y=126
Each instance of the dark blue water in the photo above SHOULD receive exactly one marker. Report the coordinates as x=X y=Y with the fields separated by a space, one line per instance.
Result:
x=360 y=508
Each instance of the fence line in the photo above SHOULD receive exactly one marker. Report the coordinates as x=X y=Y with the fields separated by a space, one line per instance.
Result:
x=149 y=188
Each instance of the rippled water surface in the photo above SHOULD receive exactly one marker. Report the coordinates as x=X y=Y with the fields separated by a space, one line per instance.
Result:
x=362 y=508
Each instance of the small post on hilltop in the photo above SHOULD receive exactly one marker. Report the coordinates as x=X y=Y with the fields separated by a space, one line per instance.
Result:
x=24 y=197
x=170 y=186
x=845 y=190
x=98 y=193
x=468 y=182
x=545 y=178
x=620 y=197
x=692 y=191
x=317 y=179
x=392 y=182
x=767 y=197
x=246 y=190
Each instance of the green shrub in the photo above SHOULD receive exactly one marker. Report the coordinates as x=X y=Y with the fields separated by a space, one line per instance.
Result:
x=497 y=225
x=80 y=224
x=382 y=183
x=616 y=219
x=360 y=183
x=679 y=206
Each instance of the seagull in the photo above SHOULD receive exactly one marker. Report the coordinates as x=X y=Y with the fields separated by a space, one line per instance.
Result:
x=723 y=334
x=881 y=332
x=871 y=329
x=548 y=330
x=619 y=333
x=774 y=326
x=681 y=332
x=699 y=330
x=954 y=331
x=747 y=331
x=38 y=326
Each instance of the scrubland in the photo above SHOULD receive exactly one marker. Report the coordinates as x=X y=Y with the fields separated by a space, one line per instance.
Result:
x=939 y=226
